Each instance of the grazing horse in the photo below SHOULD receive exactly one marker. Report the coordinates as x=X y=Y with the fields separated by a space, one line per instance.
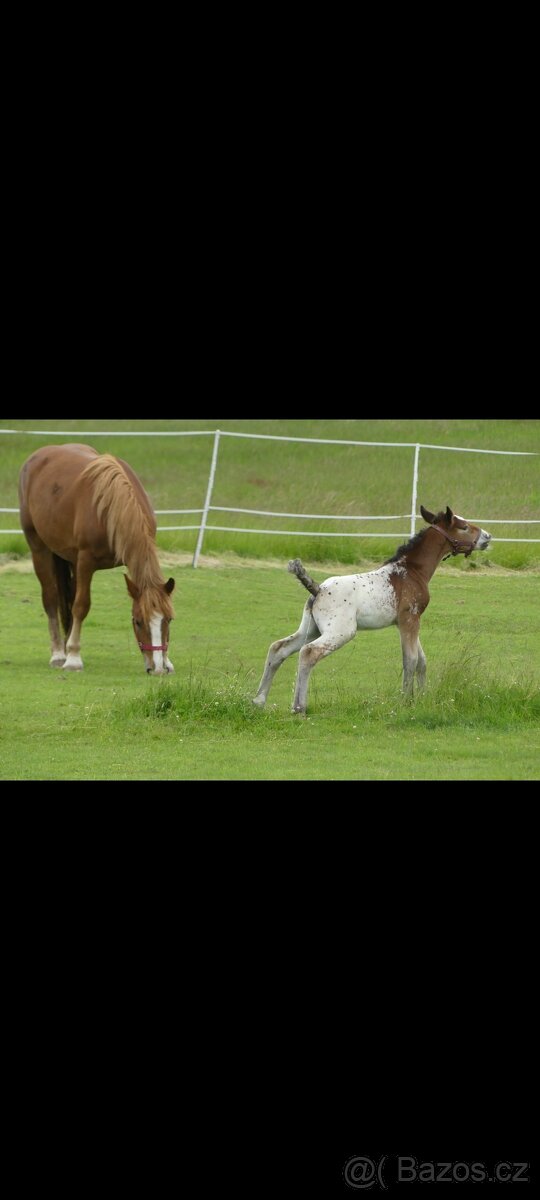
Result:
x=395 y=594
x=83 y=512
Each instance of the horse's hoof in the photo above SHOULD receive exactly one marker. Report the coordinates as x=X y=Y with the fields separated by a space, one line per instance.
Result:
x=298 y=712
x=73 y=663
x=57 y=660
x=258 y=701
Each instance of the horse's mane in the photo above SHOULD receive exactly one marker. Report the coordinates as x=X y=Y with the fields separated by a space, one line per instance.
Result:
x=406 y=547
x=130 y=531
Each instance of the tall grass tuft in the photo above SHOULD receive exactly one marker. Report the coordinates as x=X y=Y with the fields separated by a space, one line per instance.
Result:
x=195 y=702
x=460 y=694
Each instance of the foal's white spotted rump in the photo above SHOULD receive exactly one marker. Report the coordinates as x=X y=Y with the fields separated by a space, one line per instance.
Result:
x=346 y=603
x=394 y=594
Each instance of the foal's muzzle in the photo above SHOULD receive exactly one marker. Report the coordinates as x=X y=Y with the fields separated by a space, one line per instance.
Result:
x=483 y=540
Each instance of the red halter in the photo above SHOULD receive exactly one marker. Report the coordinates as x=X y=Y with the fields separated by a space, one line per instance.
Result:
x=142 y=646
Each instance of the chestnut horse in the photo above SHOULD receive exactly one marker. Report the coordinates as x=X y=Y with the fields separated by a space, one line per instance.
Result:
x=83 y=512
x=395 y=594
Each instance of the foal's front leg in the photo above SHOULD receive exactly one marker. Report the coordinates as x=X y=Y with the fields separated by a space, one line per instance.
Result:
x=421 y=669
x=414 y=659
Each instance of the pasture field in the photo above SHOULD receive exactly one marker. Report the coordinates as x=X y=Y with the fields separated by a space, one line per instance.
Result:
x=479 y=720
x=315 y=479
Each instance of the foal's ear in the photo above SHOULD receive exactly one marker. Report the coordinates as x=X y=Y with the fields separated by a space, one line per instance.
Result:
x=169 y=586
x=132 y=588
x=429 y=517
x=449 y=515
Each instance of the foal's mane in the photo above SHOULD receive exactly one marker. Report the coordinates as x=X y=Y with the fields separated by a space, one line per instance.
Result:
x=407 y=547
x=129 y=529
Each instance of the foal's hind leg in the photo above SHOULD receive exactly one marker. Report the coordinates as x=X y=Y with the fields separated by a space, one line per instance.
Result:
x=281 y=650
x=311 y=655
x=44 y=568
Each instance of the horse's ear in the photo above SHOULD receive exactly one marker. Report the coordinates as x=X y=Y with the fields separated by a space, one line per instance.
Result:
x=449 y=515
x=429 y=517
x=132 y=588
x=169 y=586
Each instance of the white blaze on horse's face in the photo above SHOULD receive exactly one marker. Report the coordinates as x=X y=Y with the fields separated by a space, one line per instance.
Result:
x=158 y=667
x=158 y=662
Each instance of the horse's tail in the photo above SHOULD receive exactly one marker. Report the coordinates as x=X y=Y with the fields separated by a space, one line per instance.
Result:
x=64 y=584
x=296 y=568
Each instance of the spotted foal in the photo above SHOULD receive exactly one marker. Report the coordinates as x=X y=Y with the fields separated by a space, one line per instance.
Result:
x=395 y=594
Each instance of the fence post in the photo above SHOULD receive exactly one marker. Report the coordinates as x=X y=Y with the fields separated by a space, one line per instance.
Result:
x=414 y=489
x=208 y=499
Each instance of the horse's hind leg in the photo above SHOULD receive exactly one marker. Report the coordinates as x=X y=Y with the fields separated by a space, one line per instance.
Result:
x=44 y=568
x=281 y=650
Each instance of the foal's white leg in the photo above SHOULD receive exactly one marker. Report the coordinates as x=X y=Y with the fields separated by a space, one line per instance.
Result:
x=311 y=655
x=281 y=650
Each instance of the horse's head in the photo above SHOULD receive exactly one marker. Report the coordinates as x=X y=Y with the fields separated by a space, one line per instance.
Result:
x=152 y=613
x=462 y=536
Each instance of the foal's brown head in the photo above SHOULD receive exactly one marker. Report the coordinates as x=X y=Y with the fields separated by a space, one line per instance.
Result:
x=462 y=537
x=152 y=614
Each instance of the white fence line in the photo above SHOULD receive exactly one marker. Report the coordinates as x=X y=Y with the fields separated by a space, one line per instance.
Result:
x=208 y=507
x=262 y=512
x=114 y=433
x=267 y=437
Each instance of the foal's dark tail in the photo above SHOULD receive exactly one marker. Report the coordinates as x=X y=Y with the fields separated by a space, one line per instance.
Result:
x=65 y=586
x=296 y=568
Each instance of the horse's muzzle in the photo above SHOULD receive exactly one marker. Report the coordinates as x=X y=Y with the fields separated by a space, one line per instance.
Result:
x=483 y=540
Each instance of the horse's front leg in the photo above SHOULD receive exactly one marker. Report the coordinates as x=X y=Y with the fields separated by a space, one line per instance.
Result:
x=81 y=606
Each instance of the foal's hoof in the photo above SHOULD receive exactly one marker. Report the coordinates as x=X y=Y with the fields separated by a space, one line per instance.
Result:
x=298 y=712
x=57 y=660
x=258 y=701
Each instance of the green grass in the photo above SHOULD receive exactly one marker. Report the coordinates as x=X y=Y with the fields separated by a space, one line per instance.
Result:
x=295 y=477
x=479 y=718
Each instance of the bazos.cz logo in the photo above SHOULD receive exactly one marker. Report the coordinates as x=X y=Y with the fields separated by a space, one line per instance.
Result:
x=362 y=1173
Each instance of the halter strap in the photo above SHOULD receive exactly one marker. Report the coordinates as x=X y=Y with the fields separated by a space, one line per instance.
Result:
x=457 y=547
x=142 y=646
